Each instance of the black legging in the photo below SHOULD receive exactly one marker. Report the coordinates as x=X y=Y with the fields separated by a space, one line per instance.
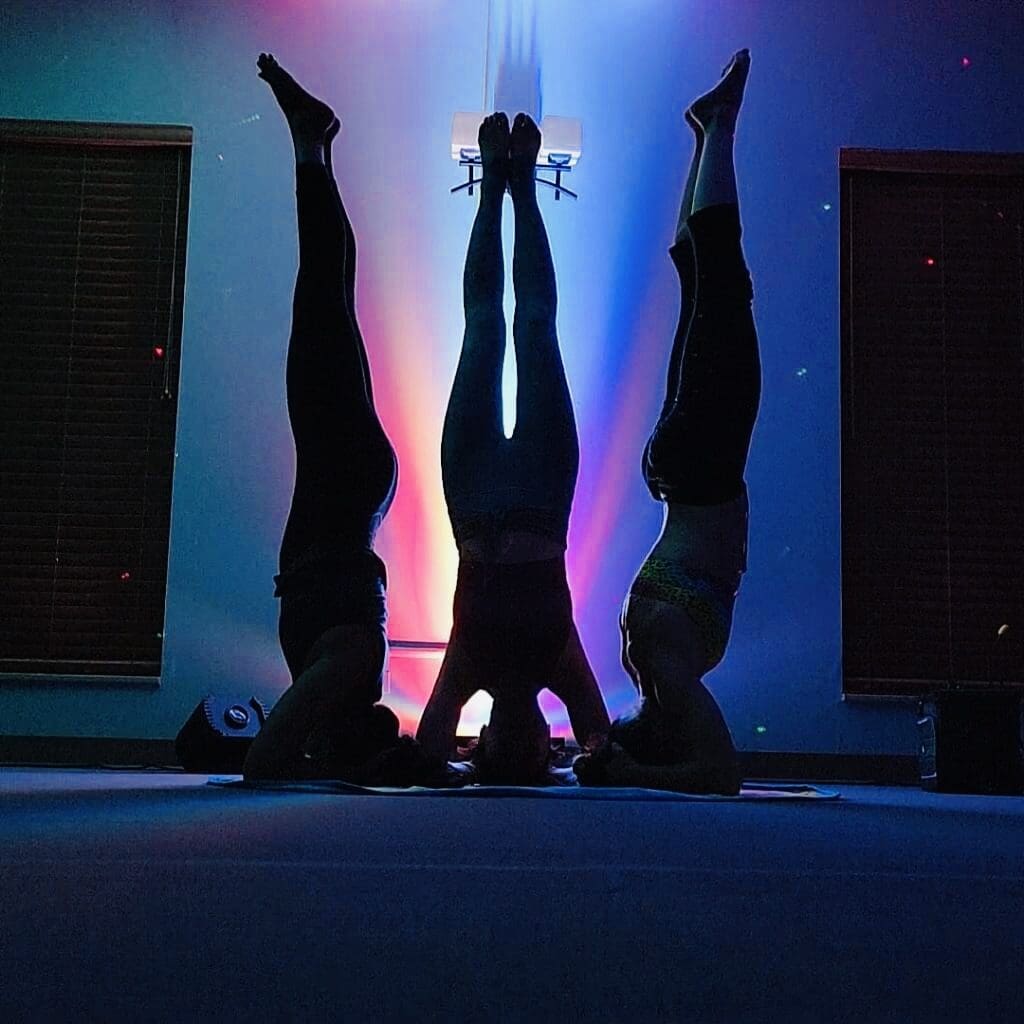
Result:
x=346 y=470
x=525 y=482
x=697 y=452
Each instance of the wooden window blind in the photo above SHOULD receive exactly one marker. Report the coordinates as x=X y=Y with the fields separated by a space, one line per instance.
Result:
x=932 y=421
x=92 y=267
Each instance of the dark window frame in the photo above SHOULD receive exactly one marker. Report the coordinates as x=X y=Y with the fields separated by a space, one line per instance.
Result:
x=115 y=423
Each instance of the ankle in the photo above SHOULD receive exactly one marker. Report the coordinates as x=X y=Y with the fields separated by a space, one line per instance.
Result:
x=309 y=152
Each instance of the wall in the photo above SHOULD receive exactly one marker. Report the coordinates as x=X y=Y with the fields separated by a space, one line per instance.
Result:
x=876 y=73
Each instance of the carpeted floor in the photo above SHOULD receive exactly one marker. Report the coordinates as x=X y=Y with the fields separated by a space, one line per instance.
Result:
x=133 y=896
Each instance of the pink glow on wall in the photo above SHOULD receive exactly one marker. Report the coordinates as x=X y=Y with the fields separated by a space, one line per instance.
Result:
x=626 y=432
x=415 y=541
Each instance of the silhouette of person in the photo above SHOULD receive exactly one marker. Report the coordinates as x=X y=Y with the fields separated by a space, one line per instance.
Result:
x=509 y=499
x=677 y=617
x=331 y=582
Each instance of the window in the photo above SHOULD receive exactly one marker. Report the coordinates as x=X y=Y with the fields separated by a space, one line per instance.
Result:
x=932 y=376
x=92 y=264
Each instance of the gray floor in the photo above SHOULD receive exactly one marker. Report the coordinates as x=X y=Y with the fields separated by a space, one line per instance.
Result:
x=154 y=897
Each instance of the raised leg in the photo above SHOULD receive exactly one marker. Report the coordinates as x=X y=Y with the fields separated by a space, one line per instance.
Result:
x=472 y=433
x=545 y=435
x=350 y=254
x=685 y=264
x=473 y=424
x=698 y=450
x=345 y=466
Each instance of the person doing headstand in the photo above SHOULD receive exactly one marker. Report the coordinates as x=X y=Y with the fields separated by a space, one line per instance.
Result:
x=509 y=499
x=677 y=618
x=331 y=582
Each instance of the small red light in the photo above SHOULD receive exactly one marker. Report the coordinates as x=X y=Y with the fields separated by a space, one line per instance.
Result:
x=965 y=62
x=125 y=576
x=929 y=262
x=158 y=352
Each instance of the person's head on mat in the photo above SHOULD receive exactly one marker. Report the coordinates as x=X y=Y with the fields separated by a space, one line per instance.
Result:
x=515 y=745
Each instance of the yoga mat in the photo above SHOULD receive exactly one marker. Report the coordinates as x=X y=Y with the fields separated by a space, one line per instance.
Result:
x=559 y=791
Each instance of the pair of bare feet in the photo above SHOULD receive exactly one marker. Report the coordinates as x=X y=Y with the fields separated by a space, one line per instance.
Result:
x=509 y=154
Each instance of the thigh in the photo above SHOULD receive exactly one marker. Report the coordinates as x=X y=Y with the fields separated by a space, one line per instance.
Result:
x=342 y=493
x=698 y=449
x=472 y=439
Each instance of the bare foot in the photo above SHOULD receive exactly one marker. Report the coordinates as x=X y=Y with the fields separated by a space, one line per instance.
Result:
x=720 y=107
x=493 y=141
x=311 y=120
x=524 y=144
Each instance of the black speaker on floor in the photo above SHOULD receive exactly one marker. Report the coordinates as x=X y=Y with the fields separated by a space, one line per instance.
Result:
x=972 y=743
x=218 y=734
